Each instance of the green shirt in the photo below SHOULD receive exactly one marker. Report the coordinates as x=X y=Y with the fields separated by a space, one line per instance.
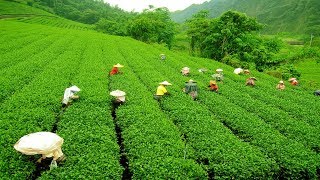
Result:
x=190 y=86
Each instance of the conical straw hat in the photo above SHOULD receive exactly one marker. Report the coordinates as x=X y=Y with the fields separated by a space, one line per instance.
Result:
x=38 y=143
x=165 y=83
x=213 y=82
x=292 y=79
x=117 y=93
x=219 y=70
x=118 y=65
x=74 y=89
x=191 y=80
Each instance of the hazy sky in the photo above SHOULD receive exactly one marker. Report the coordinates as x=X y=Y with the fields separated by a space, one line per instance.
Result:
x=139 y=5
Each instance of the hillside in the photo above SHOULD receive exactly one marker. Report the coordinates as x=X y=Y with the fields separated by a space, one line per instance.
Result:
x=24 y=13
x=279 y=15
x=240 y=133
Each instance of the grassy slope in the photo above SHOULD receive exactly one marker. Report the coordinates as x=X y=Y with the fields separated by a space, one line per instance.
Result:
x=24 y=13
x=310 y=71
x=9 y=7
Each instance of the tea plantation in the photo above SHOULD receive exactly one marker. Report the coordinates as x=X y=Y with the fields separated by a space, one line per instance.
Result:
x=240 y=133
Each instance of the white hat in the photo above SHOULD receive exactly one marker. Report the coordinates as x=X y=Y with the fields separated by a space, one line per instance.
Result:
x=292 y=79
x=219 y=70
x=121 y=98
x=39 y=143
x=118 y=65
x=191 y=81
x=165 y=83
x=186 y=68
x=74 y=89
x=281 y=82
x=238 y=71
x=117 y=93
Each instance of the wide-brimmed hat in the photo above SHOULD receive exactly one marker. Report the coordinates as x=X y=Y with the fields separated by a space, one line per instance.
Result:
x=74 y=89
x=192 y=81
x=117 y=93
x=253 y=78
x=122 y=98
x=186 y=68
x=246 y=70
x=219 y=70
x=281 y=82
x=202 y=70
x=238 y=70
x=213 y=82
x=118 y=65
x=165 y=83
x=38 y=143
x=292 y=79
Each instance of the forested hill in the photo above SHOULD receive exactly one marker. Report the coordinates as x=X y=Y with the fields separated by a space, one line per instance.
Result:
x=297 y=16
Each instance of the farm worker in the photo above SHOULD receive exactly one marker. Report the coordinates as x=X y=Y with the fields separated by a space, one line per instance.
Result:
x=202 y=70
x=250 y=81
x=238 y=71
x=119 y=97
x=46 y=143
x=162 y=57
x=219 y=75
x=161 y=90
x=246 y=71
x=185 y=71
x=213 y=86
x=317 y=93
x=281 y=85
x=69 y=95
x=191 y=88
x=115 y=69
x=293 y=81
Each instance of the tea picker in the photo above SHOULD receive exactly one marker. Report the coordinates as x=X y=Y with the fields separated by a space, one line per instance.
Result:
x=238 y=71
x=115 y=69
x=219 y=75
x=47 y=144
x=119 y=97
x=185 y=71
x=69 y=95
x=281 y=85
x=293 y=81
x=213 y=86
x=202 y=70
x=191 y=88
x=251 y=81
x=163 y=57
x=161 y=90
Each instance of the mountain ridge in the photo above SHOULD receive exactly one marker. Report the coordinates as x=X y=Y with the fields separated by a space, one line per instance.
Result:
x=279 y=16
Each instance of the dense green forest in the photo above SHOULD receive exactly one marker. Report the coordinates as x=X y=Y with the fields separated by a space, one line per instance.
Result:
x=296 y=16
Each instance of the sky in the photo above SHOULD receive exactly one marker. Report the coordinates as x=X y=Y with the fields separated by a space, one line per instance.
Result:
x=139 y=5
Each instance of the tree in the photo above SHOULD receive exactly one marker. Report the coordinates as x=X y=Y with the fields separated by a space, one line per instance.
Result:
x=153 y=25
x=230 y=38
x=198 y=30
x=111 y=27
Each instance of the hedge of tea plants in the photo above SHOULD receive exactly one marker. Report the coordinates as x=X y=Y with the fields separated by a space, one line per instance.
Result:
x=239 y=133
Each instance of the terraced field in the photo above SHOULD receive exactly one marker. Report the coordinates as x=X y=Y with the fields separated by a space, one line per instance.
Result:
x=241 y=133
